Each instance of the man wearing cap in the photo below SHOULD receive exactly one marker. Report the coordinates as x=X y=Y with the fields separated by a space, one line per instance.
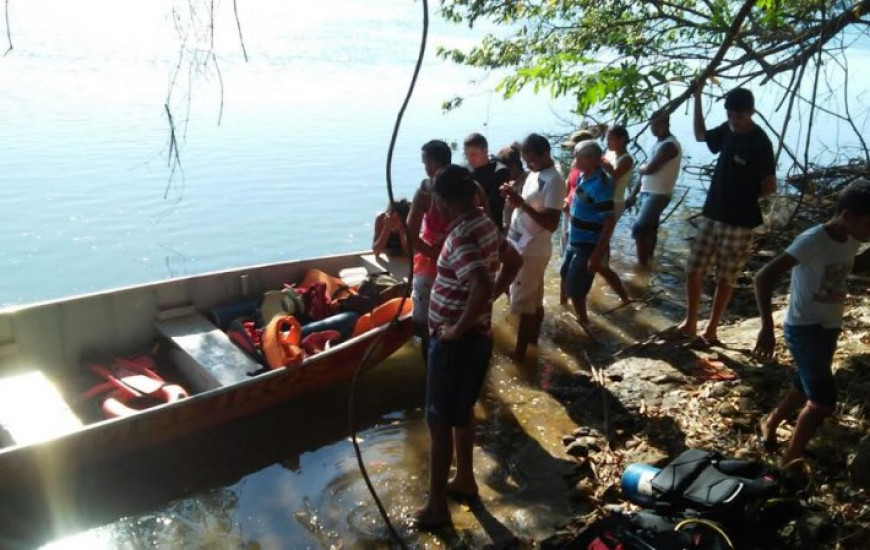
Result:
x=745 y=171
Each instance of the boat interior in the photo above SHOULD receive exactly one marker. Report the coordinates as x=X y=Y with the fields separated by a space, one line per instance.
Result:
x=47 y=350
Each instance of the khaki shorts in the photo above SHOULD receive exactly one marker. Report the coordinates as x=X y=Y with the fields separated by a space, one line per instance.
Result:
x=527 y=290
x=728 y=245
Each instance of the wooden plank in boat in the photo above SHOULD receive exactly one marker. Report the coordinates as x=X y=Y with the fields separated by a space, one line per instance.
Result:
x=397 y=266
x=205 y=355
x=33 y=410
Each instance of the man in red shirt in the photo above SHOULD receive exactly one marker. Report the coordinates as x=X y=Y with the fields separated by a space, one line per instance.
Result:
x=476 y=265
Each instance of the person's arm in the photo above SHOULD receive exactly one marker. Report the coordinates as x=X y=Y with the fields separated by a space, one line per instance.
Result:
x=768 y=166
x=481 y=200
x=382 y=233
x=548 y=218
x=765 y=280
x=621 y=167
x=664 y=153
x=419 y=206
x=511 y=262
x=700 y=128
x=479 y=296
x=768 y=185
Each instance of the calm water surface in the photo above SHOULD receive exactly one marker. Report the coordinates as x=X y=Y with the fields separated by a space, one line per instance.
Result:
x=294 y=169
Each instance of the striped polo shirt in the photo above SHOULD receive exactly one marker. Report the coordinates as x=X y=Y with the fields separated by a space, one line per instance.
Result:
x=474 y=241
x=593 y=201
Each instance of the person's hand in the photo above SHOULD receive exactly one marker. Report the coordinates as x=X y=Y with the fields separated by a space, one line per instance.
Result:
x=765 y=344
x=606 y=164
x=630 y=202
x=447 y=333
x=594 y=264
x=510 y=194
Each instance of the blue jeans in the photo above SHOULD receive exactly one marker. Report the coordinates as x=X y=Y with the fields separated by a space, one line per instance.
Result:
x=575 y=270
x=812 y=347
x=454 y=377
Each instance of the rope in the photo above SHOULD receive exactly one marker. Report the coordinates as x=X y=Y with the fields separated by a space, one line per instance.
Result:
x=375 y=343
x=706 y=523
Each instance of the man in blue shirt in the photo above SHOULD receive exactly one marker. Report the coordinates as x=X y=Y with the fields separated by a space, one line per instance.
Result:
x=591 y=226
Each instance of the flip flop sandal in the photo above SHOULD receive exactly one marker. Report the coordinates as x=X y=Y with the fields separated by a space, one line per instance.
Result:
x=673 y=334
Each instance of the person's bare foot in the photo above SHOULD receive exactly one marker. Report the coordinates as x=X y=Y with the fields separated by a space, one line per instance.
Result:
x=431 y=516
x=767 y=435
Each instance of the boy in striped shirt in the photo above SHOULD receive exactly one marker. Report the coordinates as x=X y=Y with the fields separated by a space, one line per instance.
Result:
x=476 y=264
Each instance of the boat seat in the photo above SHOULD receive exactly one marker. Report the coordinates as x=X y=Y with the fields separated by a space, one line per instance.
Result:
x=396 y=266
x=32 y=409
x=204 y=354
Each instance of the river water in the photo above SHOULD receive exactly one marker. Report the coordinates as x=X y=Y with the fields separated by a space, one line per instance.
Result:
x=281 y=157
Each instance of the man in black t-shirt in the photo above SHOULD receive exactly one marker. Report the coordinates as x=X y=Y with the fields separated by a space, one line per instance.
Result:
x=489 y=173
x=745 y=171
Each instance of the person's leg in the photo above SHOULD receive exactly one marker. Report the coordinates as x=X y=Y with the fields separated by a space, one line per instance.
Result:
x=463 y=483
x=812 y=348
x=475 y=356
x=734 y=247
x=809 y=420
x=421 y=293
x=689 y=326
x=615 y=283
x=579 y=282
x=700 y=257
x=645 y=245
x=435 y=509
x=721 y=298
x=538 y=324
x=793 y=400
x=527 y=296
x=525 y=332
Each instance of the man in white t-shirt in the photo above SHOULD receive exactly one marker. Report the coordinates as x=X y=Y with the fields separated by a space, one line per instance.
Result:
x=656 y=185
x=821 y=259
x=535 y=218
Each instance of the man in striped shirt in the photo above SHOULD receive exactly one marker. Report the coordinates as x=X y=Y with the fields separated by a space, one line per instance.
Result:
x=476 y=264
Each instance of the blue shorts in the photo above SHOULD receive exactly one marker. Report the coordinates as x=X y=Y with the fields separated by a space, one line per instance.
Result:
x=812 y=347
x=575 y=270
x=454 y=377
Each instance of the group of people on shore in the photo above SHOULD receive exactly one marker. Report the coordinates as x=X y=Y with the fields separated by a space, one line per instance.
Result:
x=486 y=230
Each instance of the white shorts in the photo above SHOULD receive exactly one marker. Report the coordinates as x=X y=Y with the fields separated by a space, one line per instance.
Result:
x=527 y=290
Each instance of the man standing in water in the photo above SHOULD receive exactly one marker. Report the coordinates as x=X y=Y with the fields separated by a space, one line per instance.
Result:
x=476 y=265
x=745 y=171
x=489 y=173
x=535 y=218
x=656 y=187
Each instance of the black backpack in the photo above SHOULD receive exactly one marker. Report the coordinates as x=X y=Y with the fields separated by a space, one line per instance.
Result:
x=746 y=498
x=646 y=530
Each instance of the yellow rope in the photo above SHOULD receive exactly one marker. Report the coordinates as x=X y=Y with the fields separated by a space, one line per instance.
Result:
x=810 y=471
x=706 y=523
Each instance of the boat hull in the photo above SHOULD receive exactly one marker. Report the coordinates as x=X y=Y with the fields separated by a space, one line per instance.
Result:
x=114 y=438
